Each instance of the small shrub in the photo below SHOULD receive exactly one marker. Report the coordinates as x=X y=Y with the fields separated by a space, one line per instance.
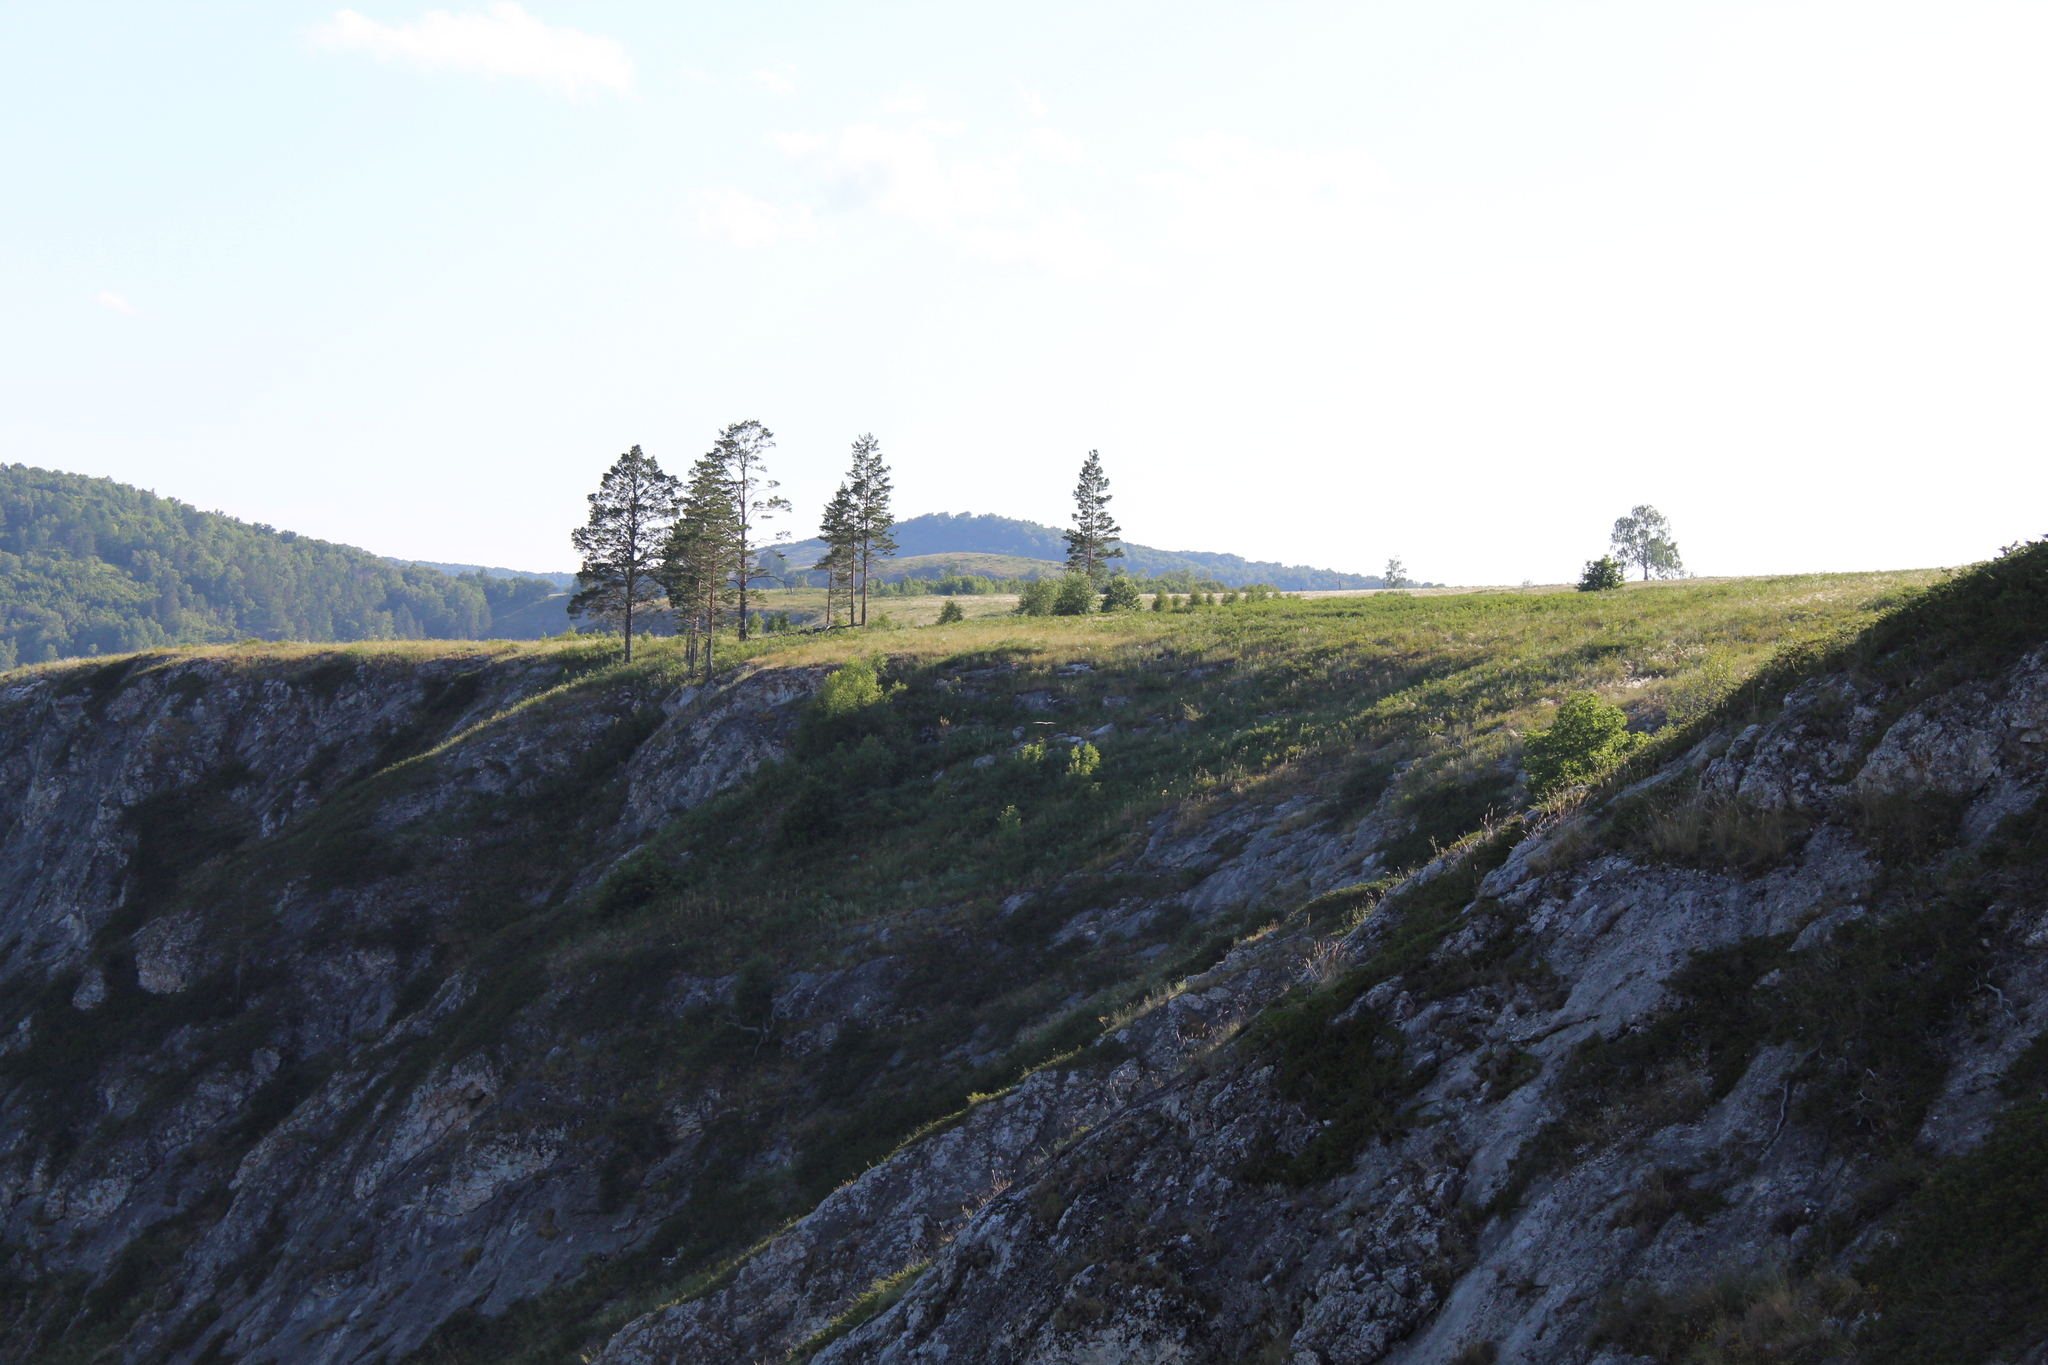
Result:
x=1734 y=1319
x=851 y=688
x=1662 y=1193
x=1908 y=827
x=1724 y=834
x=951 y=614
x=1586 y=739
x=1074 y=596
x=1700 y=692
x=1121 y=595
x=1038 y=598
x=1009 y=822
x=1602 y=575
x=1082 y=761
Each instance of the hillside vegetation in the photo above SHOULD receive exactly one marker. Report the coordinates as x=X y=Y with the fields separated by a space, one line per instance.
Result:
x=91 y=566
x=429 y=881
x=936 y=535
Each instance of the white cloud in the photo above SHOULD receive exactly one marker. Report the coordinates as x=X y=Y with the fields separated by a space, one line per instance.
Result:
x=779 y=79
x=735 y=216
x=109 y=299
x=1238 y=197
x=900 y=171
x=504 y=41
x=980 y=203
x=1053 y=145
x=908 y=99
x=1034 y=105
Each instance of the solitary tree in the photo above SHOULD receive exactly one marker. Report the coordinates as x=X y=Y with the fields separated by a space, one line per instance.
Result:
x=696 y=557
x=1092 y=542
x=741 y=448
x=837 y=530
x=872 y=520
x=622 y=542
x=1643 y=538
x=1397 y=574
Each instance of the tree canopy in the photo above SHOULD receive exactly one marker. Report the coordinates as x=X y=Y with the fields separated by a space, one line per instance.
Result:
x=621 y=544
x=91 y=566
x=1643 y=538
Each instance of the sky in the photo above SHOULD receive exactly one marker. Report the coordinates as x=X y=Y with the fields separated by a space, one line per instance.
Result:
x=1451 y=280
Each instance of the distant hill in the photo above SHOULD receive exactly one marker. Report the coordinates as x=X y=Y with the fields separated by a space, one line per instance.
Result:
x=91 y=566
x=941 y=533
x=562 y=581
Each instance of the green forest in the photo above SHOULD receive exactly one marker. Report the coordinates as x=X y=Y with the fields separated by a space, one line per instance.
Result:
x=91 y=566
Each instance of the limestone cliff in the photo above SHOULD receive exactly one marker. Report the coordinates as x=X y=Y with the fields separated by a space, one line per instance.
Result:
x=378 y=1006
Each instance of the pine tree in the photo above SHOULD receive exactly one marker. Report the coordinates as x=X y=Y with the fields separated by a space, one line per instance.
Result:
x=696 y=556
x=837 y=530
x=741 y=448
x=868 y=483
x=621 y=544
x=1092 y=542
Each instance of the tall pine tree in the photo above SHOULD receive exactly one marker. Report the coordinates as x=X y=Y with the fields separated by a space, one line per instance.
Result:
x=622 y=543
x=697 y=556
x=1092 y=542
x=869 y=487
x=741 y=447
x=837 y=530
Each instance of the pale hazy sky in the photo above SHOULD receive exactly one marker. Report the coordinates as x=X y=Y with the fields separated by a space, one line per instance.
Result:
x=1455 y=281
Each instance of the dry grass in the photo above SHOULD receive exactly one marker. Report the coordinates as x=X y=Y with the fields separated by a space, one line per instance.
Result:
x=1724 y=833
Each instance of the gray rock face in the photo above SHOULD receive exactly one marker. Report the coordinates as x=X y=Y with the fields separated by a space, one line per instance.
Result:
x=340 y=1169
x=1139 y=1239
x=374 y=1203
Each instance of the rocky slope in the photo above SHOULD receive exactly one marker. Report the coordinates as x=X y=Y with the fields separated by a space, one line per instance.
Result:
x=381 y=1007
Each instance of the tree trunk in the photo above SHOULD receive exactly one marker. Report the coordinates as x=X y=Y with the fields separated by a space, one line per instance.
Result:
x=630 y=585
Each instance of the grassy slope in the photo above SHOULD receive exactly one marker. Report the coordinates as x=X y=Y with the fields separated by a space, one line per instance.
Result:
x=1325 y=696
x=799 y=866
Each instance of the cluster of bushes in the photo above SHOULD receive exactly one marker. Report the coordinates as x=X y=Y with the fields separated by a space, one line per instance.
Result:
x=1076 y=595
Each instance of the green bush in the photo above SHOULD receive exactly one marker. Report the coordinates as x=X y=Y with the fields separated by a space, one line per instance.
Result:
x=1075 y=596
x=1121 y=595
x=1038 y=598
x=851 y=688
x=950 y=613
x=1588 y=737
x=1602 y=575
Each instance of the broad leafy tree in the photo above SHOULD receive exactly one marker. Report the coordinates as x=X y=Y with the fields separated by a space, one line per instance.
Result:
x=621 y=545
x=1397 y=574
x=1643 y=538
x=1092 y=543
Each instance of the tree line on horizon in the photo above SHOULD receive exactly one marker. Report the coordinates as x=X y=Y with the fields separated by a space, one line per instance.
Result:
x=694 y=550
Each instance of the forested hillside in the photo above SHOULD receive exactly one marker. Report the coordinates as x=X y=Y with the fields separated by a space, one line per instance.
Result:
x=939 y=533
x=91 y=566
